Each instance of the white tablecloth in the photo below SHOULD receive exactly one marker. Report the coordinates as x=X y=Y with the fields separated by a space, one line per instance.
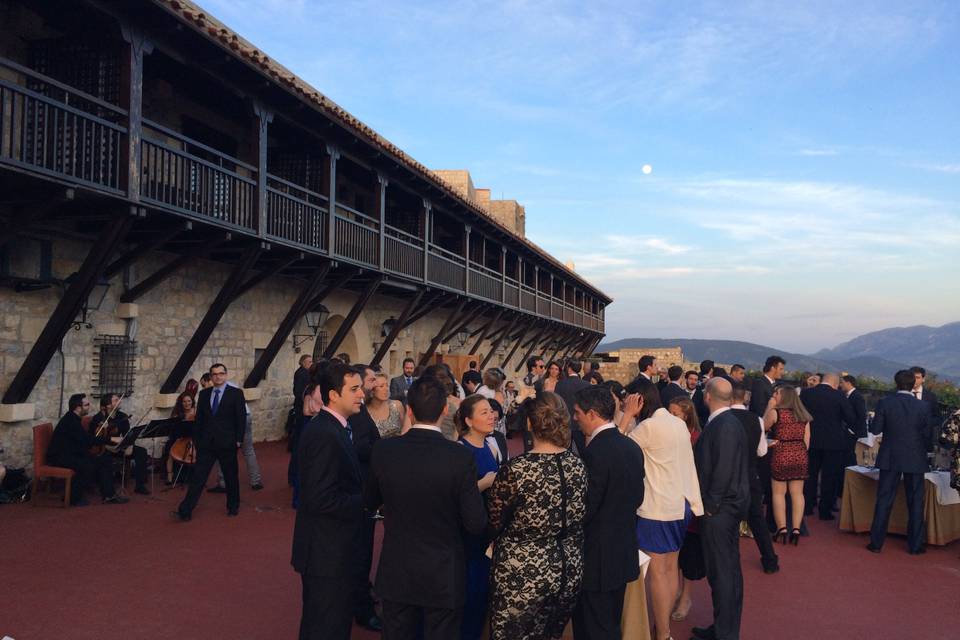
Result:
x=871 y=440
x=946 y=494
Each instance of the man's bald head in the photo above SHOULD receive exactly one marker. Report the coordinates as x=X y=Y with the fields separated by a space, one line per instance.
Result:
x=718 y=394
x=831 y=379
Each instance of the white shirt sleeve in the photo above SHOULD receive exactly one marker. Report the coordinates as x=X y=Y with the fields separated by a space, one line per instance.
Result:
x=762 y=447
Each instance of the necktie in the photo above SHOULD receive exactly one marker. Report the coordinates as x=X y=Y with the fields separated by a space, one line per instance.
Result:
x=409 y=381
x=216 y=401
x=349 y=433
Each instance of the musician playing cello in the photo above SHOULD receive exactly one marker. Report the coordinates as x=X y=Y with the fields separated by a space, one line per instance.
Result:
x=70 y=448
x=117 y=425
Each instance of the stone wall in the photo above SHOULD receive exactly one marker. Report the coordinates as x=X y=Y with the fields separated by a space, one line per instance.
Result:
x=166 y=319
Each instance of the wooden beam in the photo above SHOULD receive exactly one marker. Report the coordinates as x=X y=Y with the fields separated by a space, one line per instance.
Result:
x=269 y=272
x=573 y=342
x=532 y=345
x=73 y=300
x=562 y=340
x=307 y=294
x=22 y=219
x=485 y=331
x=140 y=250
x=397 y=327
x=147 y=284
x=210 y=321
x=451 y=320
x=330 y=288
x=503 y=331
x=476 y=310
x=426 y=307
x=516 y=345
x=351 y=318
x=496 y=343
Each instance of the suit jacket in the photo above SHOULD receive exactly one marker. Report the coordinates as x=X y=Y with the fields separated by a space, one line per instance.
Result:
x=904 y=422
x=832 y=416
x=70 y=440
x=859 y=406
x=700 y=404
x=751 y=430
x=670 y=392
x=224 y=430
x=637 y=384
x=760 y=393
x=933 y=411
x=300 y=381
x=365 y=435
x=427 y=486
x=398 y=389
x=327 y=528
x=614 y=465
x=721 y=454
x=567 y=388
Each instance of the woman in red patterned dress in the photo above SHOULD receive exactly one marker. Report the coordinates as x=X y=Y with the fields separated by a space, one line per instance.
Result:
x=789 y=421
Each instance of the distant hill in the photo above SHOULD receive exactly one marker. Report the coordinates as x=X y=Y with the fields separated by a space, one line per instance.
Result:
x=753 y=355
x=935 y=348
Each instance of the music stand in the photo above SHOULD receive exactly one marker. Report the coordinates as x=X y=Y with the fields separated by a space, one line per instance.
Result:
x=121 y=447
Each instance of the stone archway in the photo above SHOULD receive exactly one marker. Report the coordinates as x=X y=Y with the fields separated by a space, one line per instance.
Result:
x=350 y=345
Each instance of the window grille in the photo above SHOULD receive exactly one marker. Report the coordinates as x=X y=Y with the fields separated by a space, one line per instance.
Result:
x=320 y=345
x=114 y=365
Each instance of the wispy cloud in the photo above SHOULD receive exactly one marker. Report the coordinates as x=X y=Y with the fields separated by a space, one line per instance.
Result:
x=818 y=152
x=953 y=169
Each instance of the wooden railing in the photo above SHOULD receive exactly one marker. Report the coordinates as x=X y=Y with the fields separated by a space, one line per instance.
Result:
x=174 y=178
x=511 y=294
x=445 y=269
x=402 y=253
x=485 y=283
x=296 y=214
x=356 y=236
x=51 y=128
x=528 y=299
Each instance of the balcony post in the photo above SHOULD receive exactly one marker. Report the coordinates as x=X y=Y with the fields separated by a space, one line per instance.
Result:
x=263 y=120
x=466 y=258
x=551 y=295
x=382 y=182
x=536 y=289
x=131 y=99
x=427 y=219
x=503 y=275
x=333 y=154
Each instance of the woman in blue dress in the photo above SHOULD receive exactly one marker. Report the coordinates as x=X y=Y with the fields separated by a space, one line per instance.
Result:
x=475 y=421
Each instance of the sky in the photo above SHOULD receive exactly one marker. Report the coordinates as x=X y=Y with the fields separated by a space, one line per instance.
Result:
x=805 y=183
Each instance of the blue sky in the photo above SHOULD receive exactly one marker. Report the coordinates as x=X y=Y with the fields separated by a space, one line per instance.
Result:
x=806 y=156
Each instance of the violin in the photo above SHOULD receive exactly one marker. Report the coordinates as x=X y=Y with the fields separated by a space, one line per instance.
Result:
x=107 y=429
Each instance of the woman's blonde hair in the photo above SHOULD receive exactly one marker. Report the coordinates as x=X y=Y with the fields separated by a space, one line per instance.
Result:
x=790 y=399
x=689 y=413
x=549 y=419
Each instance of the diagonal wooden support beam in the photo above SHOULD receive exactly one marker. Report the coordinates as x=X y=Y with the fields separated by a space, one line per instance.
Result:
x=485 y=331
x=504 y=330
x=532 y=345
x=573 y=342
x=516 y=345
x=397 y=327
x=139 y=251
x=471 y=312
x=562 y=342
x=164 y=272
x=351 y=318
x=496 y=343
x=210 y=320
x=269 y=272
x=23 y=218
x=339 y=283
x=296 y=312
x=427 y=306
x=452 y=319
x=74 y=297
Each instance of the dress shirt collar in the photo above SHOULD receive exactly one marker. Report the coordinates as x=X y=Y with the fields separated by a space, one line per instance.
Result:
x=677 y=383
x=772 y=381
x=852 y=389
x=909 y=393
x=738 y=406
x=597 y=431
x=220 y=387
x=646 y=376
x=717 y=413
x=918 y=392
x=427 y=427
x=340 y=418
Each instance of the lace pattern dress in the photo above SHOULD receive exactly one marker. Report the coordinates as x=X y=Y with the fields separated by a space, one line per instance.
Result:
x=537 y=505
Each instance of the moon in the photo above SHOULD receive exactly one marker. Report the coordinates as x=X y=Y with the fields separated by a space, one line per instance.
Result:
x=647 y=169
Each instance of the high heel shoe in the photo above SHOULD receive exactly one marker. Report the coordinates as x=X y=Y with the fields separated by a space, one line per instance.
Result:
x=781 y=535
x=795 y=537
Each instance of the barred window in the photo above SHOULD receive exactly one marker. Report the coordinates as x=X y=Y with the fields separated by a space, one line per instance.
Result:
x=320 y=345
x=114 y=365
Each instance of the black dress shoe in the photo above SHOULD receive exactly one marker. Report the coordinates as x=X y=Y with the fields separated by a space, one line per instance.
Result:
x=372 y=623
x=257 y=487
x=704 y=633
x=218 y=490
x=873 y=549
x=917 y=552
x=142 y=490
x=82 y=502
x=773 y=568
x=180 y=517
x=233 y=512
x=116 y=499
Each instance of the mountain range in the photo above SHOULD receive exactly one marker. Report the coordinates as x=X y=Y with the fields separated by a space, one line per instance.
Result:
x=877 y=354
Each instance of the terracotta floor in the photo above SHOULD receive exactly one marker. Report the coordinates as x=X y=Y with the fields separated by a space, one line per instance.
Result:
x=121 y=572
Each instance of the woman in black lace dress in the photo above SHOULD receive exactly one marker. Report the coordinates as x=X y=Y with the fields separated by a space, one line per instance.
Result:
x=537 y=504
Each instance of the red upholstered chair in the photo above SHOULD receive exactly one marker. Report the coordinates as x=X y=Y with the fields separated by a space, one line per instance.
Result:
x=42 y=472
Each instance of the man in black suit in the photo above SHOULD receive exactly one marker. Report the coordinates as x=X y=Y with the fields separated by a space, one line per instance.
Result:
x=848 y=386
x=832 y=416
x=904 y=422
x=328 y=524
x=648 y=367
x=722 y=469
x=567 y=388
x=70 y=448
x=427 y=487
x=673 y=389
x=217 y=433
x=401 y=384
x=762 y=389
x=929 y=398
x=614 y=465
x=365 y=435
x=301 y=378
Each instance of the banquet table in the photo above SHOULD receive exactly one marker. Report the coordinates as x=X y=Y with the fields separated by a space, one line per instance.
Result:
x=941 y=505
x=634 y=623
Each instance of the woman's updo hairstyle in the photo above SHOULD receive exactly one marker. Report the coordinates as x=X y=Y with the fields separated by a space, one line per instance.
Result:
x=466 y=411
x=549 y=419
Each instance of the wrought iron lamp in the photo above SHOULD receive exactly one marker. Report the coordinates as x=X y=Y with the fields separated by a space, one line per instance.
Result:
x=462 y=336
x=315 y=319
x=93 y=302
x=388 y=326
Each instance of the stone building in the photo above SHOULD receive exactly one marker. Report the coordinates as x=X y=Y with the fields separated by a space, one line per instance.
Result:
x=173 y=198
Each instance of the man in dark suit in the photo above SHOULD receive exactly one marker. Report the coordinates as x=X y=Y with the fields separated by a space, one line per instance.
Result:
x=673 y=389
x=301 y=378
x=614 y=465
x=328 y=524
x=695 y=393
x=217 y=433
x=904 y=422
x=929 y=398
x=848 y=386
x=832 y=416
x=762 y=389
x=723 y=471
x=365 y=435
x=567 y=388
x=427 y=487
x=648 y=367
x=70 y=448
x=400 y=384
